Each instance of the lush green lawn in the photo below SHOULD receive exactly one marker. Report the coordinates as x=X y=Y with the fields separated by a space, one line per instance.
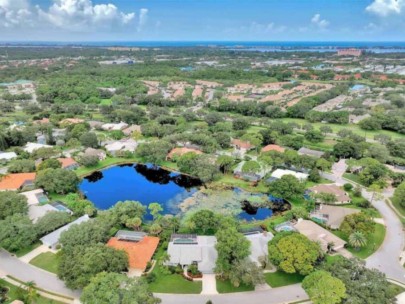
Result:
x=374 y=242
x=109 y=161
x=353 y=177
x=14 y=293
x=280 y=278
x=400 y=209
x=25 y=250
x=174 y=283
x=229 y=179
x=106 y=102
x=47 y=261
x=227 y=287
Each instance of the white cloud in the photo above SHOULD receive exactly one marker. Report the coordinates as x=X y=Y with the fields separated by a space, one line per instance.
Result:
x=14 y=13
x=143 y=17
x=385 y=8
x=317 y=21
x=83 y=15
x=265 y=28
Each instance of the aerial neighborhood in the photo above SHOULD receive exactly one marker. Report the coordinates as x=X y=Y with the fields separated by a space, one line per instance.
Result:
x=201 y=174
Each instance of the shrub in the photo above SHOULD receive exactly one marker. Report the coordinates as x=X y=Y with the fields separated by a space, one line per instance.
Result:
x=348 y=187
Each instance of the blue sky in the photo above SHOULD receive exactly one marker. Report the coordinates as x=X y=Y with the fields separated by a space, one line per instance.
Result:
x=210 y=20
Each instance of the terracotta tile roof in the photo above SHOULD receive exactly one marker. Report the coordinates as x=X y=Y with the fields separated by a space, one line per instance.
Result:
x=242 y=144
x=139 y=253
x=182 y=151
x=16 y=180
x=273 y=148
x=67 y=162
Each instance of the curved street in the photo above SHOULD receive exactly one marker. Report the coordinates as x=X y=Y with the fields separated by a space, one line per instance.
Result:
x=386 y=259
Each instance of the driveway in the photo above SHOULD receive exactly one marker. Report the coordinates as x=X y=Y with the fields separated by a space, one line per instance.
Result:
x=272 y=296
x=209 y=284
x=25 y=272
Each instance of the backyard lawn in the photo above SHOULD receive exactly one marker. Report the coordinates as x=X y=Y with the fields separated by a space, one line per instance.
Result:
x=374 y=242
x=47 y=261
x=280 y=278
x=15 y=294
x=227 y=287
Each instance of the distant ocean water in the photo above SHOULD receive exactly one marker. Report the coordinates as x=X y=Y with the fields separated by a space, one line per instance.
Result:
x=265 y=46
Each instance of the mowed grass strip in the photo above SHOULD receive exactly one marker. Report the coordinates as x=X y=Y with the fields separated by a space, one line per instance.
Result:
x=47 y=261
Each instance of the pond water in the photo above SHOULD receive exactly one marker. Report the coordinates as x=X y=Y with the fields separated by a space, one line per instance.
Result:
x=143 y=183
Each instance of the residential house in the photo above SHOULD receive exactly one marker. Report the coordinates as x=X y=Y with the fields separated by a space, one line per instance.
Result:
x=191 y=249
x=68 y=163
x=51 y=240
x=310 y=152
x=241 y=146
x=331 y=216
x=35 y=212
x=71 y=121
x=341 y=196
x=181 y=151
x=279 y=173
x=114 y=126
x=31 y=147
x=131 y=129
x=7 y=156
x=35 y=197
x=320 y=235
x=276 y=148
x=95 y=124
x=17 y=181
x=41 y=139
x=119 y=146
x=258 y=245
x=95 y=152
x=138 y=245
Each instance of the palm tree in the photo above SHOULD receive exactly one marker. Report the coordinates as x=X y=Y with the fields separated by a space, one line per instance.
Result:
x=357 y=240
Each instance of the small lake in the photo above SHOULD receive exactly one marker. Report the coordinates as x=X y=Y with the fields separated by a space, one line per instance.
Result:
x=138 y=182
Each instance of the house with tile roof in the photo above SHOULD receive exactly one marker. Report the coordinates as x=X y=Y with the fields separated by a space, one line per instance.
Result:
x=341 y=196
x=181 y=151
x=68 y=163
x=138 y=245
x=276 y=148
x=17 y=181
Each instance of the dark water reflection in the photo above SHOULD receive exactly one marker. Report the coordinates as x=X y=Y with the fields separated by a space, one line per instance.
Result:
x=143 y=183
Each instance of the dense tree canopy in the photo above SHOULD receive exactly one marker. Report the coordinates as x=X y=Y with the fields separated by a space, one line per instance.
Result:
x=323 y=288
x=12 y=203
x=57 y=180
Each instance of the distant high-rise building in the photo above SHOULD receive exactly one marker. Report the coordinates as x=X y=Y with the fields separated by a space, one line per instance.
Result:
x=349 y=52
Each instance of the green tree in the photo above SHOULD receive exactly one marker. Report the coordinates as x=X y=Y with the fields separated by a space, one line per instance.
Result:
x=17 y=232
x=51 y=221
x=21 y=166
x=287 y=187
x=314 y=136
x=363 y=285
x=89 y=160
x=326 y=198
x=79 y=264
x=323 y=288
x=57 y=180
x=134 y=223
x=360 y=222
x=225 y=163
x=154 y=152
x=232 y=247
x=155 y=229
x=106 y=288
x=12 y=203
x=78 y=205
x=89 y=140
x=399 y=195
x=357 y=240
x=155 y=209
x=122 y=211
x=49 y=163
x=251 y=166
x=204 y=221
x=294 y=253
x=246 y=272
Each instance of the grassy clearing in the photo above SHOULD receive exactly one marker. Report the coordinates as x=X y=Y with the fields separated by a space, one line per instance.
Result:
x=280 y=278
x=227 y=287
x=374 y=242
x=353 y=177
x=245 y=185
x=28 y=249
x=400 y=208
x=82 y=171
x=15 y=294
x=48 y=261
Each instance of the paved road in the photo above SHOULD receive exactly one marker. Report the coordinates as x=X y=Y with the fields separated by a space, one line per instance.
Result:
x=273 y=296
x=386 y=258
x=25 y=272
